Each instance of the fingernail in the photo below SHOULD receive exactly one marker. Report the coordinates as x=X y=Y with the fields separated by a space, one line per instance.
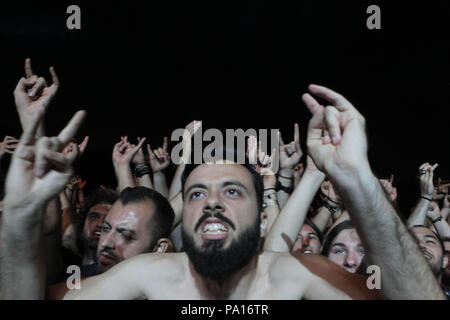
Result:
x=335 y=140
x=326 y=139
x=31 y=93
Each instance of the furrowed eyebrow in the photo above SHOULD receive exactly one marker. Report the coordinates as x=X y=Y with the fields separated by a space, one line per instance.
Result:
x=107 y=223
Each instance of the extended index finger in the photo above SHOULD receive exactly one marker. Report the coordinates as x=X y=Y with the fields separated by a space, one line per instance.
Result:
x=71 y=128
x=341 y=103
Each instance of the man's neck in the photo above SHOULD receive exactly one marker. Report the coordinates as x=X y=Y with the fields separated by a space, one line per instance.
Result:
x=235 y=286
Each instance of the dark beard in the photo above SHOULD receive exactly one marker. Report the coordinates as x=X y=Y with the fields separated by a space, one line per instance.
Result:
x=215 y=263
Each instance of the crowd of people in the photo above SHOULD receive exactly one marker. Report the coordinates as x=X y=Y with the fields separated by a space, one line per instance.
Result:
x=220 y=230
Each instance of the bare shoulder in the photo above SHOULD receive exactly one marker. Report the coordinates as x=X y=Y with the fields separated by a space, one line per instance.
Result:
x=132 y=278
x=323 y=278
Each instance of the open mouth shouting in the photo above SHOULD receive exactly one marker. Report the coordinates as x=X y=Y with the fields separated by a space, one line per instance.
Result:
x=214 y=229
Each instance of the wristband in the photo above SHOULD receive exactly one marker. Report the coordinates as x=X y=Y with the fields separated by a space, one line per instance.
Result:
x=437 y=219
x=330 y=208
x=285 y=177
x=141 y=171
x=279 y=186
x=425 y=198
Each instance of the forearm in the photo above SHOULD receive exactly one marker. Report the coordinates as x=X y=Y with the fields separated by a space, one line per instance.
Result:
x=271 y=211
x=285 y=178
x=405 y=274
x=286 y=227
x=22 y=260
x=442 y=228
x=159 y=179
x=177 y=206
x=321 y=218
x=444 y=213
x=124 y=177
x=175 y=186
x=145 y=181
x=419 y=213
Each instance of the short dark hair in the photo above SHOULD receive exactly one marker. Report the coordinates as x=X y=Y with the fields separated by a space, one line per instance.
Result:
x=99 y=195
x=315 y=228
x=256 y=177
x=333 y=233
x=161 y=223
x=441 y=241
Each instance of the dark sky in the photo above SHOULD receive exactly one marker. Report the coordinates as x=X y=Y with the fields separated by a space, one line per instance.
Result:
x=147 y=69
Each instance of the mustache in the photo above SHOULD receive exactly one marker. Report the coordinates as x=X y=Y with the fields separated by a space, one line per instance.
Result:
x=109 y=252
x=217 y=215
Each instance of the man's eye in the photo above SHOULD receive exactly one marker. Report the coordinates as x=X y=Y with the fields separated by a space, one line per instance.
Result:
x=430 y=241
x=93 y=217
x=312 y=237
x=127 y=237
x=233 y=192
x=196 y=194
x=339 y=251
x=362 y=252
x=105 y=228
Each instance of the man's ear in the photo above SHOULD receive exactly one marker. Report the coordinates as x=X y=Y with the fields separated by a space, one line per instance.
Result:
x=445 y=262
x=263 y=224
x=163 y=245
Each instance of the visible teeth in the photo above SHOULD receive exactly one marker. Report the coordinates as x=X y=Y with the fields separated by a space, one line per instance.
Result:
x=307 y=251
x=97 y=233
x=214 y=228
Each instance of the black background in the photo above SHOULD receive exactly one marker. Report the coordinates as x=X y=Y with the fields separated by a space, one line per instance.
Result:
x=147 y=68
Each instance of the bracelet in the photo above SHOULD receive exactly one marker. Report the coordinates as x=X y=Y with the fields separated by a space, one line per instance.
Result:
x=269 y=195
x=437 y=219
x=269 y=189
x=285 y=177
x=141 y=171
x=425 y=198
x=330 y=208
x=268 y=203
x=279 y=186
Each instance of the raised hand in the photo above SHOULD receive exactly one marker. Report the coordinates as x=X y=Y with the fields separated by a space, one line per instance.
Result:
x=291 y=153
x=426 y=179
x=32 y=94
x=124 y=152
x=390 y=189
x=8 y=145
x=39 y=170
x=159 y=158
x=336 y=139
x=74 y=150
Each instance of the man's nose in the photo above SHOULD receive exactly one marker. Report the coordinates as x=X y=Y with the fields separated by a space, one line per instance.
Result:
x=351 y=259
x=213 y=203
x=109 y=240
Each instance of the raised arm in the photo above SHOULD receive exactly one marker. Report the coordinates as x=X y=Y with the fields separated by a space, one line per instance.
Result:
x=419 y=213
x=290 y=155
x=31 y=94
x=122 y=155
x=337 y=144
x=436 y=219
x=285 y=230
x=159 y=160
x=38 y=172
